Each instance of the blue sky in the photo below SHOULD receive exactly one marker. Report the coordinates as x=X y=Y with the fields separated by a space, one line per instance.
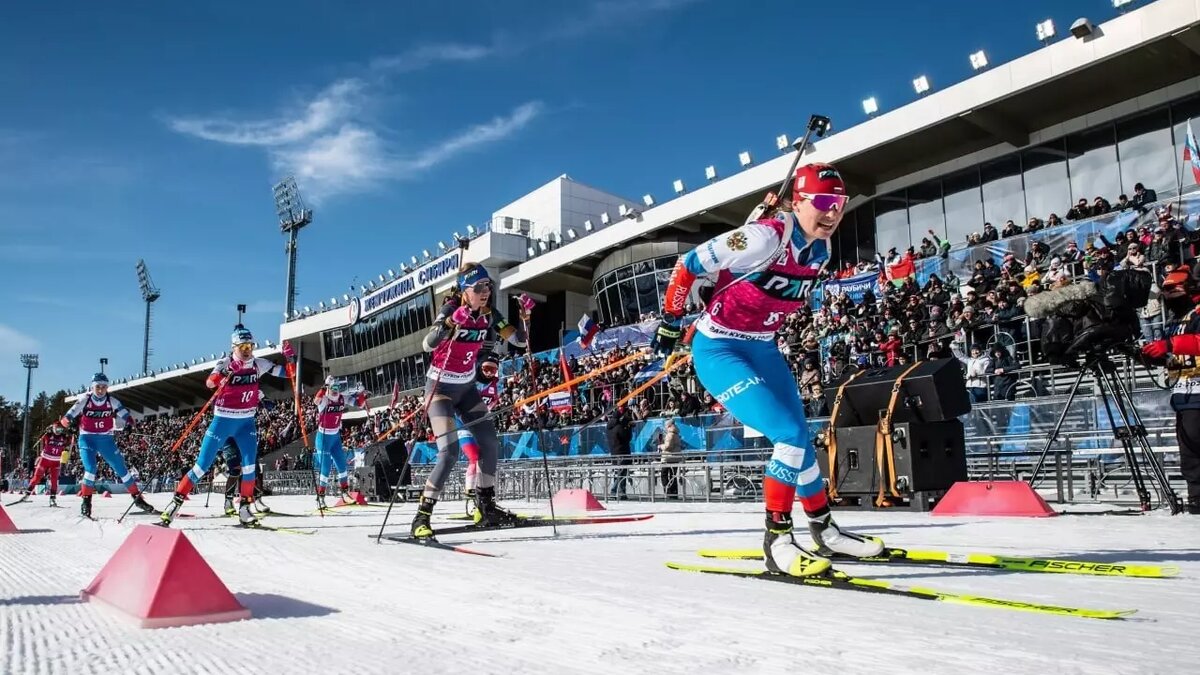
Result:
x=155 y=130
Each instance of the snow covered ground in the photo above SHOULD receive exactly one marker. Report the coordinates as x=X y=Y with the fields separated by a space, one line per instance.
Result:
x=595 y=599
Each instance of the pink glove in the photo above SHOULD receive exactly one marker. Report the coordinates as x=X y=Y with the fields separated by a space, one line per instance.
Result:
x=526 y=303
x=289 y=353
x=461 y=316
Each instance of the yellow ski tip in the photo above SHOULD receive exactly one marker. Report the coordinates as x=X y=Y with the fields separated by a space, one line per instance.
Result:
x=731 y=553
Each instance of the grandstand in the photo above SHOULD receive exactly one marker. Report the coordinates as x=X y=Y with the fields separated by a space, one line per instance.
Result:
x=1015 y=147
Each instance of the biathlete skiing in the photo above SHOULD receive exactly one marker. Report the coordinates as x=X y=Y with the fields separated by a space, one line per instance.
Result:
x=764 y=269
x=465 y=323
x=233 y=418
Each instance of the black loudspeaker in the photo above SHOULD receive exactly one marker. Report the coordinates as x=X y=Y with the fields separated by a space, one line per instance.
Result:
x=381 y=469
x=934 y=391
x=929 y=456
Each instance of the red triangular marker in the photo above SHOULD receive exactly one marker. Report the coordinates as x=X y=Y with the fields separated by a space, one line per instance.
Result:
x=6 y=524
x=997 y=498
x=159 y=579
x=576 y=499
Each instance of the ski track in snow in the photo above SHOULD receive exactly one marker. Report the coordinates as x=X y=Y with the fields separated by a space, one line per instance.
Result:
x=597 y=599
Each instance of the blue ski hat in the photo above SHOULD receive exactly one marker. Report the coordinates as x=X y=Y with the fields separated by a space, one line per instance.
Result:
x=472 y=276
x=240 y=335
x=100 y=378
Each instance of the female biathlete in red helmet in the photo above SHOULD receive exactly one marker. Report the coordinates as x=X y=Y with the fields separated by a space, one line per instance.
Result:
x=764 y=270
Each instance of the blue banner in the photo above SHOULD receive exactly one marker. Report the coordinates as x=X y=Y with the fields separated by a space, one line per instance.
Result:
x=854 y=287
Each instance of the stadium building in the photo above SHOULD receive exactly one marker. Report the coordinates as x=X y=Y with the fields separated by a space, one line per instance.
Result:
x=1099 y=110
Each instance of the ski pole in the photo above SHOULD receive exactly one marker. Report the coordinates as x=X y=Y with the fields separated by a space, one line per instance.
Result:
x=408 y=455
x=304 y=434
x=196 y=418
x=211 y=479
x=541 y=426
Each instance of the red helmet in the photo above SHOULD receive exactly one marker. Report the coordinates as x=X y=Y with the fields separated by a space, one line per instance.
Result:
x=812 y=179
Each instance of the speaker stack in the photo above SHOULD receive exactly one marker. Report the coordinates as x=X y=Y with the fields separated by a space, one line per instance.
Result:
x=381 y=470
x=927 y=449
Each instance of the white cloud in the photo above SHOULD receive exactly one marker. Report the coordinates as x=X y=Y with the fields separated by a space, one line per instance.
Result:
x=425 y=56
x=497 y=129
x=608 y=13
x=13 y=341
x=333 y=149
x=350 y=159
x=339 y=101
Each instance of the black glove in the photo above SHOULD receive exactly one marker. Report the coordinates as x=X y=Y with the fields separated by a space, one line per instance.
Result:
x=669 y=330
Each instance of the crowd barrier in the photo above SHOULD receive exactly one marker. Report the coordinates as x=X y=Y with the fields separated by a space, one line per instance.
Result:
x=1010 y=426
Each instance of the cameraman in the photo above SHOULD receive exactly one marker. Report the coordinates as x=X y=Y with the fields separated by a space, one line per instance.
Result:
x=1180 y=296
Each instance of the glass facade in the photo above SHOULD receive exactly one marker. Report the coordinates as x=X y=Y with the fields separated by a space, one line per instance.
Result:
x=1104 y=161
x=624 y=294
x=408 y=371
x=405 y=318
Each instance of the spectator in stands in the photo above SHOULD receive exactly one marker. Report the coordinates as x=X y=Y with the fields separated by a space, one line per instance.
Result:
x=1004 y=368
x=1100 y=206
x=1010 y=229
x=979 y=367
x=1142 y=197
x=1080 y=211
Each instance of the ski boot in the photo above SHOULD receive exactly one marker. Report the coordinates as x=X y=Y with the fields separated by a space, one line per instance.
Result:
x=421 y=529
x=321 y=506
x=85 y=506
x=1193 y=506
x=260 y=506
x=487 y=513
x=469 y=496
x=53 y=501
x=832 y=539
x=168 y=514
x=246 y=517
x=230 y=507
x=140 y=502
x=783 y=554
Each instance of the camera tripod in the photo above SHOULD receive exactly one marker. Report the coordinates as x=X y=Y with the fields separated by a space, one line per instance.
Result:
x=1130 y=433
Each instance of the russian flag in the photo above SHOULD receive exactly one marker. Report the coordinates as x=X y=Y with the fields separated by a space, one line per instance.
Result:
x=587 y=330
x=560 y=402
x=1191 y=153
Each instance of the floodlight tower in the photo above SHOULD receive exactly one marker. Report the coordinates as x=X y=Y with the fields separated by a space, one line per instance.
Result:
x=292 y=217
x=150 y=293
x=28 y=362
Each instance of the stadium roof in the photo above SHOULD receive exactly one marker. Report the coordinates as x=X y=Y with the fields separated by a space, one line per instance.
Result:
x=182 y=388
x=1131 y=56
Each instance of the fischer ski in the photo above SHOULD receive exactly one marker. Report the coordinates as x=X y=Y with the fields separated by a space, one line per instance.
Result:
x=536 y=522
x=22 y=500
x=257 y=525
x=840 y=580
x=430 y=542
x=900 y=556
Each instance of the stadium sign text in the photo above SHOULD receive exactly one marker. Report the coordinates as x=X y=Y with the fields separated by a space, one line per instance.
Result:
x=408 y=284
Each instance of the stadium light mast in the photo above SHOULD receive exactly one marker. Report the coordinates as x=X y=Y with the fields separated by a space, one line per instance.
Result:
x=150 y=293
x=292 y=217
x=28 y=362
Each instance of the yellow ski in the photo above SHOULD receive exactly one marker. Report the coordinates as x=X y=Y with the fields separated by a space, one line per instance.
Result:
x=900 y=556
x=843 y=581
